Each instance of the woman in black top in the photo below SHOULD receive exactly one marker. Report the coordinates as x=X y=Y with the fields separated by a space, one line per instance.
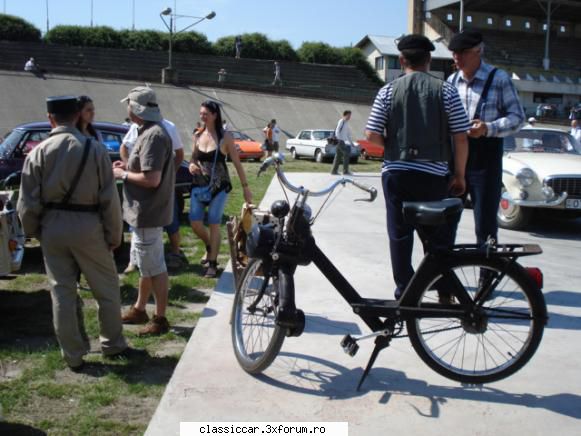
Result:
x=208 y=168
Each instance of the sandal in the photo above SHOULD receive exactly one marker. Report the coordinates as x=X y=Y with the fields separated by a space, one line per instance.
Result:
x=211 y=270
x=204 y=260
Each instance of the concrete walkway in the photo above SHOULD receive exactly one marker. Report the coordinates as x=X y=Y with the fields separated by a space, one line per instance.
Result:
x=314 y=380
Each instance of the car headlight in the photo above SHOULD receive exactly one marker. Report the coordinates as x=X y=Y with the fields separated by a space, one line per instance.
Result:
x=526 y=177
x=548 y=192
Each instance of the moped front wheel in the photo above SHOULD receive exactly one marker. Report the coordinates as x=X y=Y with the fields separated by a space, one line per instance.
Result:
x=481 y=344
x=256 y=337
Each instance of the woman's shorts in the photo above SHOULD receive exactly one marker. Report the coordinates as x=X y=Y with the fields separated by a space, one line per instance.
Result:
x=215 y=208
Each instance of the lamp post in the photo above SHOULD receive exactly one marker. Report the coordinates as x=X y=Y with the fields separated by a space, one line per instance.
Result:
x=168 y=75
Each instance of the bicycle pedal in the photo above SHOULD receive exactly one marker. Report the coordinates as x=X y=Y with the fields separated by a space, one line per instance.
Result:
x=349 y=345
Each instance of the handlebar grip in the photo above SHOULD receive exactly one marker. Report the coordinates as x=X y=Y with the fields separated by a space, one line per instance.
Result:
x=369 y=189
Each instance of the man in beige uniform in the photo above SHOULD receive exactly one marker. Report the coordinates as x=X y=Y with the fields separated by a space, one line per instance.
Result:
x=76 y=215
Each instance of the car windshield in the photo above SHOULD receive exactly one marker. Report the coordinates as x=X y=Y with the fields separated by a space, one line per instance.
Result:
x=10 y=142
x=240 y=136
x=322 y=134
x=541 y=141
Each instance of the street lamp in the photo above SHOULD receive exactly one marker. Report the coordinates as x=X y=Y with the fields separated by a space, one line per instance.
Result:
x=171 y=26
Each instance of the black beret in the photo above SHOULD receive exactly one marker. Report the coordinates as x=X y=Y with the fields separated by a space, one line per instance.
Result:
x=415 y=42
x=466 y=39
x=62 y=104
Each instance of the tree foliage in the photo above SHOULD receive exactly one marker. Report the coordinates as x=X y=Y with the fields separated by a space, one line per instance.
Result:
x=16 y=29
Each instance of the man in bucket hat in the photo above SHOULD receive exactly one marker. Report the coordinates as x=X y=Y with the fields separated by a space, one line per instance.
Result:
x=69 y=201
x=492 y=104
x=418 y=113
x=148 y=191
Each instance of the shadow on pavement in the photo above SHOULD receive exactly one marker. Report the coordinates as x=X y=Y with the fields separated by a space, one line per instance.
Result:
x=314 y=376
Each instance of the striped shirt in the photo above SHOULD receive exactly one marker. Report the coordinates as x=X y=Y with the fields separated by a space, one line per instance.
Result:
x=379 y=119
x=502 y=112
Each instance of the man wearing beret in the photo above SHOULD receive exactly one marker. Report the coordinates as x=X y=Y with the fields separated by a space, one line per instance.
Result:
x=148 y=204
x=492 y=104
x=414 y=118
x=69 y=202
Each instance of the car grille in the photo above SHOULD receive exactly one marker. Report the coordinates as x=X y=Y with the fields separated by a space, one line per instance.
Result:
x=571 y=185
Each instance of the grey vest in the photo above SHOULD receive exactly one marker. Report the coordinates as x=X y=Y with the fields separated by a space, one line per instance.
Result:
x=418 y=124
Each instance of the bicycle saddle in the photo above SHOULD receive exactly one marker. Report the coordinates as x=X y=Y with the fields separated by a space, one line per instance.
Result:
x=432 y=213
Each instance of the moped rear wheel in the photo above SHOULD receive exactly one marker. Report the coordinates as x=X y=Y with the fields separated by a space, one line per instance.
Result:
x=487 y=344
x=255 y=336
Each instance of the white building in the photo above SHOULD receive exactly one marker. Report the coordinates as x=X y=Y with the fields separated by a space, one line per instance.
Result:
x=382 y=53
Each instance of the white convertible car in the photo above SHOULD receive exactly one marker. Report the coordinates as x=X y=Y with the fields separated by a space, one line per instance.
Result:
x=541 y=169
x=313 y=144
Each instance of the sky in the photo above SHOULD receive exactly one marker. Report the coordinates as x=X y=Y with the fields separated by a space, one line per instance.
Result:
x=339 y=23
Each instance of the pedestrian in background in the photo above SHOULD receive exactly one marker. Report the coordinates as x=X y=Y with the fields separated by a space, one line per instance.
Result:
x=86 y=117
x=275 y=135
x=238 y=46
x=277 y=79
x=344 y=143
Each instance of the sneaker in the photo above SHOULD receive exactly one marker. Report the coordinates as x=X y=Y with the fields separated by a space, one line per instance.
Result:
x=130 y=268
x=135 y=316
x=127 y=354
x=157 y=326
x=347 y=173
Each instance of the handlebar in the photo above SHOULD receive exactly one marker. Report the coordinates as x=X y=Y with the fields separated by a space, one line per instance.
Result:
x=277 y=159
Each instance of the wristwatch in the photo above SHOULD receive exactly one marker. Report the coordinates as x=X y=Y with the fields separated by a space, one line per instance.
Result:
x=124 y=176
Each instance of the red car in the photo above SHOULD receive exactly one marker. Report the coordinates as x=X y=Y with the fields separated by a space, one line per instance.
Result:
x=247 y=147
x=369 y=150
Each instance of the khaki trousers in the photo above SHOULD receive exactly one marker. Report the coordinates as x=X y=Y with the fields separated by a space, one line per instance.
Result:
x=69 y=247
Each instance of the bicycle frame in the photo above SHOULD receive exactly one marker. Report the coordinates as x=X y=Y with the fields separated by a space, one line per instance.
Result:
x=294 y=245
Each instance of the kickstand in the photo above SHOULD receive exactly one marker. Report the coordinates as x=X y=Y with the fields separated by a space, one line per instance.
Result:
x=381 y=342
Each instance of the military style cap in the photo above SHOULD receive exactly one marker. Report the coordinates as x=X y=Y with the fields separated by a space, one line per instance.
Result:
x=466 y=39
x=415 y=42
x=143 y=103
x=63 y=104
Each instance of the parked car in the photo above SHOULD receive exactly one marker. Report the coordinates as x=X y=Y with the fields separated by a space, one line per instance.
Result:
x=23 y=138
x=541 y=170
x=247 y=147
x=370 y=150
x=313 y=144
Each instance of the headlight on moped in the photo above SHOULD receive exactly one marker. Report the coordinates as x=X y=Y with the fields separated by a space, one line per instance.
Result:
x=525 y=177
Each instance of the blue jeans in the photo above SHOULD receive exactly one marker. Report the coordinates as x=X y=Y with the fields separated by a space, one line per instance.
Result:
x=215 y=208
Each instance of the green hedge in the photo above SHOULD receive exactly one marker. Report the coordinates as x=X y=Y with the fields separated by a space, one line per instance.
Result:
x=254 y=45
x=16 y=29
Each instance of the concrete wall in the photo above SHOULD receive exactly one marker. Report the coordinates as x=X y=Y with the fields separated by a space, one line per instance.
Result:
x=22 y=100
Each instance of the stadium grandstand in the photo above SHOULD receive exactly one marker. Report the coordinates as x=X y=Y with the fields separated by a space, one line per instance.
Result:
x=538 y=41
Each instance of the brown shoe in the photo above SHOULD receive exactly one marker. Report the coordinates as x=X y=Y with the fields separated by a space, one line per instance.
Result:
x=135 y=316
x=157 y=326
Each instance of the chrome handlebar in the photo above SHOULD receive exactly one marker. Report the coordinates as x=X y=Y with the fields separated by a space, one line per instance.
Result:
x=277 y=159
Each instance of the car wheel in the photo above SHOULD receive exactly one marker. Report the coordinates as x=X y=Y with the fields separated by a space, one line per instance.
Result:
x=365 y=154
x=294 y=153
x=510 y=215
x=318 y=156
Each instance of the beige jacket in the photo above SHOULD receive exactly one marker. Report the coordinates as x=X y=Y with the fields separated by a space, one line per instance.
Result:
x=46 y=177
